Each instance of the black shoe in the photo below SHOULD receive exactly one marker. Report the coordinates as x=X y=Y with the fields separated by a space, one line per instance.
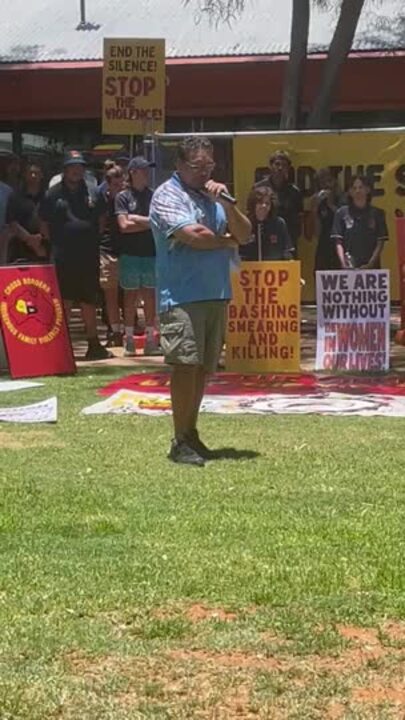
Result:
x=193 y=440
x=114 y=339
x=117 y=339
x=181 y=452
x=96 y=351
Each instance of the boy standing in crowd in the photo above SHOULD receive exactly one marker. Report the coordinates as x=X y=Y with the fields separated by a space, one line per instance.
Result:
x=137 y=253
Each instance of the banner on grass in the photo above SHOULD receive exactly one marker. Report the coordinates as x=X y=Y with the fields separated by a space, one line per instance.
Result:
x=263 y=333
x=353 y=315
x=127 y=402
x=32 y=322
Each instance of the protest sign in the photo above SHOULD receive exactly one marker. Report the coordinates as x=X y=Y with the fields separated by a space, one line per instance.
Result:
x=353 y=314
x=32 y=322
x=134 y=86
x=263 y=332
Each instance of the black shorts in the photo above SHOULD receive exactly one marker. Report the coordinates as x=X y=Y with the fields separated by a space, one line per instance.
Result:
x=79 y=283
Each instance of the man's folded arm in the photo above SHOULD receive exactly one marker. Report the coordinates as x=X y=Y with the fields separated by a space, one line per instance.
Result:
x=199 y=237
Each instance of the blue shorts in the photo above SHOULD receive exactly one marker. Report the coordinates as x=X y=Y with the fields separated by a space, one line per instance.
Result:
x=137 y=272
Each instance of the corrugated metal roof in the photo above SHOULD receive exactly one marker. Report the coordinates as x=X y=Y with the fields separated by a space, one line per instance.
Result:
x=46 y=30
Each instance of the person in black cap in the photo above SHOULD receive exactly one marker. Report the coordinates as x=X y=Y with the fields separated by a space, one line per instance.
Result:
x=70 y=222
x=137 y=253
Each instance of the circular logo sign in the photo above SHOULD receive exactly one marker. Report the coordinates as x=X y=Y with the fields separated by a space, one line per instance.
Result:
x=30 y=312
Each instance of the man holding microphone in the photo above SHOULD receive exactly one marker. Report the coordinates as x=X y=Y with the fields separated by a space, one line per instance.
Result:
x=197 y=229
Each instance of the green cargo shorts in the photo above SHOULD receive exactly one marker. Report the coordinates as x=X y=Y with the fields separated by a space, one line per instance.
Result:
x=194 y=333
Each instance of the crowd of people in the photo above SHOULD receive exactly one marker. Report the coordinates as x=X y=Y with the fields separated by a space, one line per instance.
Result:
x=350 y=231
x=97 y=235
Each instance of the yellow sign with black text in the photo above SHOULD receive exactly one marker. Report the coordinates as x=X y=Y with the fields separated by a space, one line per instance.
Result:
x=378 y=154
x=134 y=86
x=263 y=332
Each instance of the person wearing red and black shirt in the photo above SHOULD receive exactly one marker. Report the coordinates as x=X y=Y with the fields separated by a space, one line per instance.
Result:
x=359 y=229
x=289 y=197
x=70 y=221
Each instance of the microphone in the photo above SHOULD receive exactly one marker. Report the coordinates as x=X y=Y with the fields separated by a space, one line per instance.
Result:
x=227 y=197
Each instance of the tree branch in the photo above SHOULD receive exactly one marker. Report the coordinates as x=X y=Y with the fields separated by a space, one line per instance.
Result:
x=218 y=10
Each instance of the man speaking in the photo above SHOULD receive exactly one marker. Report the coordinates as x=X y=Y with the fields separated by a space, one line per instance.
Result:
x=196 y=230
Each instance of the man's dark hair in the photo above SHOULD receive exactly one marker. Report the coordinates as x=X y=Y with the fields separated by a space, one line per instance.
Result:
x=191 y=145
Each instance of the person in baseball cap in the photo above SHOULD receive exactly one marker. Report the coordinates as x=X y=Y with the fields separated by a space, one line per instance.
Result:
x=137 y=253
x=73 y=157
x=70 y=222
x=139 y=162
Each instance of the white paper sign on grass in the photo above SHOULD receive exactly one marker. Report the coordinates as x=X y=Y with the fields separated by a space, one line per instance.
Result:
x=45 y=411
x=14 y=385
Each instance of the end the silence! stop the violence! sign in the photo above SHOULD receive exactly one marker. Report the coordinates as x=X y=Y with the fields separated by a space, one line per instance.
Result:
x=134 y=86
x=353 y=319
x=263 y=333
x=32 y=322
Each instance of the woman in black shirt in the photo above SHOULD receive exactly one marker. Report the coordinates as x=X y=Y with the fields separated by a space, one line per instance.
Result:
x=27 y=245
x=359 y=229
x=270 y=239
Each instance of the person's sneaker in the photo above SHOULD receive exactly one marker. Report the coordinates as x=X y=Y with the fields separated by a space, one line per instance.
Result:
x=129 y=347
x=117 y=339
x=193 y=440
x=96 y=351
x=181 y=452
x=152 y=348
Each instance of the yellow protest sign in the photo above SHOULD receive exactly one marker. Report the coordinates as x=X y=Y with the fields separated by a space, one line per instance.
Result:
x=263 y=333
x=379 y=154
x=134 y=86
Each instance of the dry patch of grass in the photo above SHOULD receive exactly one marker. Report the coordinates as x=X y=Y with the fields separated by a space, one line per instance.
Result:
x=9 y=440
x=365 y=680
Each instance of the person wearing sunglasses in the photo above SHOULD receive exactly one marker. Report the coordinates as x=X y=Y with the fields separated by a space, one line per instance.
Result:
x=196 y=232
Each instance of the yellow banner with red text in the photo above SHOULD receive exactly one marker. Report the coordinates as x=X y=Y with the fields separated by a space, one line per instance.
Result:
x=263 y=332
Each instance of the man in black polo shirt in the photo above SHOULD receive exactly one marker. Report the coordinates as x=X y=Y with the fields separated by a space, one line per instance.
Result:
x=290 y=205
x=137 y=253
x=70 y=222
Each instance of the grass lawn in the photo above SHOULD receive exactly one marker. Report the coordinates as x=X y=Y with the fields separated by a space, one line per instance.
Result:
x=270 y=587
